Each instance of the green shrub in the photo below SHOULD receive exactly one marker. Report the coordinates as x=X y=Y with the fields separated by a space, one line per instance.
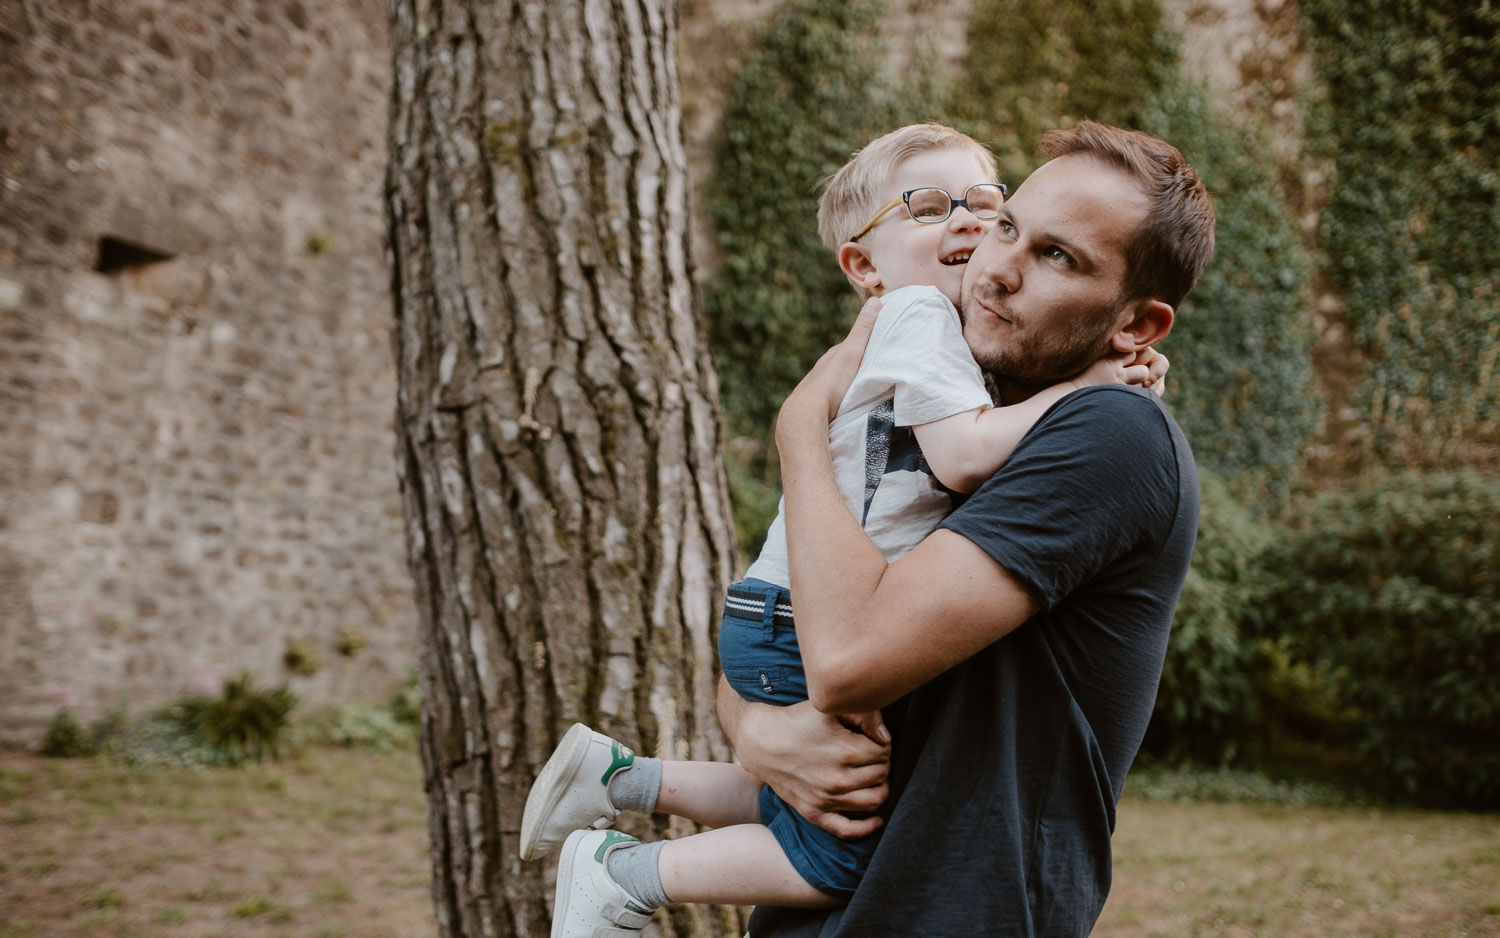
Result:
x=1206 y=704
x=357 y=725
x=1391 y=589
x=242 y=724
x=68 y=739
x=406 y=704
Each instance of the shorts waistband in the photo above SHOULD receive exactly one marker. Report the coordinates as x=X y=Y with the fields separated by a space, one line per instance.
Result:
x=762 y=604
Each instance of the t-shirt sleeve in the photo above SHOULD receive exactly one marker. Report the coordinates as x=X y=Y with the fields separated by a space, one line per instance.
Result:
x=1094 y=481
x=918 y=347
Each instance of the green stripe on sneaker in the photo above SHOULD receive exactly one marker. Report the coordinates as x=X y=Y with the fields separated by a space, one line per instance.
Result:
x=610 y=839
x=620 y=758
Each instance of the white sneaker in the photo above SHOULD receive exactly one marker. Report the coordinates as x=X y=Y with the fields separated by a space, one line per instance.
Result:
x=572 y=790
x=589 y=904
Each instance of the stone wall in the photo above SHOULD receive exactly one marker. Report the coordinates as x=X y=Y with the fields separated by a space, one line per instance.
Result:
x=196 y=391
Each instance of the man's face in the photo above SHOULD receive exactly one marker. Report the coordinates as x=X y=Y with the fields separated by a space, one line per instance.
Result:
x=906 y=252
x=1041 y=295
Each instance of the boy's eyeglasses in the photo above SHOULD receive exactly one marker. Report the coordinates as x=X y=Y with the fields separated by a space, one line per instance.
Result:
x=931 y=205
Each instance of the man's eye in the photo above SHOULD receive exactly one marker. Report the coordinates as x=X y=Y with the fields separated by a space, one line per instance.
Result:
x=1058 y=256
x=1005 y=228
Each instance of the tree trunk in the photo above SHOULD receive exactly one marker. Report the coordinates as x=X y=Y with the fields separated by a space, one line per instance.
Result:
x=567 y=520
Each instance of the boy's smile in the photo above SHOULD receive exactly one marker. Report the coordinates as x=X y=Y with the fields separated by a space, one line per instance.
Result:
x=899 y=251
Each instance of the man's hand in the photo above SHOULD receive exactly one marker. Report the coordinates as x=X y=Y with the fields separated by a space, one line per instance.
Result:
x=816 y=762
x=830 y=378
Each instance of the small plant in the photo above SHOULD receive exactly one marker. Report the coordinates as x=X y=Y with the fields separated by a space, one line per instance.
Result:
x=68 y=739
x=302 y=658
x=242 y=724
x=318 y=242
x=351 y=641
x=406 y=704
x=357 y=725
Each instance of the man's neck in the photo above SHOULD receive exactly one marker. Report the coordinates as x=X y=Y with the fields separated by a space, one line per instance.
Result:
x=1007 y=391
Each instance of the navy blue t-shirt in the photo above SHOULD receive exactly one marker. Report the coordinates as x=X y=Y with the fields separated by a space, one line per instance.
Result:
x=1006 y=769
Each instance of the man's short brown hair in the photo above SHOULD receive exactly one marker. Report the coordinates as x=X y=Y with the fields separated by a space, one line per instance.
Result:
x=1170 y=248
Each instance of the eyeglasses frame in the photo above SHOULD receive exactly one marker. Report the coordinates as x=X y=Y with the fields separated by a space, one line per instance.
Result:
x=952 y=204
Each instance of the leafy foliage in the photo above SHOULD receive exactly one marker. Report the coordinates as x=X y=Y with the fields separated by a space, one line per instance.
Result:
x=1241 y=380
x=1206 y=700
x=1393 y=588
x=1034 y=65
x=1412 y=125
x=242 y=724
x=810 y=94
x=68 y=739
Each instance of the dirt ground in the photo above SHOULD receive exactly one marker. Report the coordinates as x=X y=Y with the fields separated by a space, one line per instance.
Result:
x=333 y=843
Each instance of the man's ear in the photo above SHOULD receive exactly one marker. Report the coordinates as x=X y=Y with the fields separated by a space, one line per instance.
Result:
x=1148 y=323
x=858 y=266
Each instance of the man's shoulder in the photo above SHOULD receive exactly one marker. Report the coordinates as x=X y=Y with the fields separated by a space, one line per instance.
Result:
x=1108 y=414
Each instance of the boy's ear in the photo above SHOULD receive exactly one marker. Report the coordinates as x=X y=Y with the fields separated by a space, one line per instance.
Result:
x=1148 y=323
x=858 y=266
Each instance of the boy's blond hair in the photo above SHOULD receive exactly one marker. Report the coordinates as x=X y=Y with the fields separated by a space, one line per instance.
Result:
x=856 y=191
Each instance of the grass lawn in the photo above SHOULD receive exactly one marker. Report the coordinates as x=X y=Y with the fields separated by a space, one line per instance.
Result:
x=333 y=843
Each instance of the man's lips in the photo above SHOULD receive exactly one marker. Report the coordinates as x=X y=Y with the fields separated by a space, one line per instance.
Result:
x=987 y=306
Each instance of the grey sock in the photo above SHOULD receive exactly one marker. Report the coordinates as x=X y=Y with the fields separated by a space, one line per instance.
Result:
x=635 y=788
x=634 y=868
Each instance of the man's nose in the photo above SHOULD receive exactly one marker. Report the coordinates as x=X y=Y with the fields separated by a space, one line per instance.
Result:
x=999 y=265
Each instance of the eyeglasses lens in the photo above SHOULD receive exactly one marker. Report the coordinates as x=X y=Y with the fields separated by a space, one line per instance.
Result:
x=984 y=201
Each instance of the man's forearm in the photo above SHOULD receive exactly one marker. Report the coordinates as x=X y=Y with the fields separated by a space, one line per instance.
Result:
x=835 y=567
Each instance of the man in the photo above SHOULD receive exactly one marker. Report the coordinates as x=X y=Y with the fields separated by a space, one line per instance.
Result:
x=1017 y=649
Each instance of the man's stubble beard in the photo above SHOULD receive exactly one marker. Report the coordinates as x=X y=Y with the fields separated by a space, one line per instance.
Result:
x=1039 y=360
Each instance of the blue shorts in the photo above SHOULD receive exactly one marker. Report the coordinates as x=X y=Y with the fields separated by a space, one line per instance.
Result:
x=760 y=658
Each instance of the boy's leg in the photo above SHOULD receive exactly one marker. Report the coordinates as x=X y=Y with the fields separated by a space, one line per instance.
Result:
x=591 y=778
x=715 y=794
x=610 y=883
x=740 y=865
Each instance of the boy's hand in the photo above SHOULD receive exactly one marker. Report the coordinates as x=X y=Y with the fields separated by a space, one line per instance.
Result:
x=1156 y=369
x=1144 y=369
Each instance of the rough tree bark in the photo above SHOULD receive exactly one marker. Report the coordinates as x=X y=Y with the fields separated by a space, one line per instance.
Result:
x=566 y=511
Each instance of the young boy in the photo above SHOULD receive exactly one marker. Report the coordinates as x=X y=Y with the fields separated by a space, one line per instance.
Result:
x=903 y=217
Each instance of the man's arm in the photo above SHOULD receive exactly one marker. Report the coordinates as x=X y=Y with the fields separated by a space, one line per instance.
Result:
x=871 y=631
x=816 y=763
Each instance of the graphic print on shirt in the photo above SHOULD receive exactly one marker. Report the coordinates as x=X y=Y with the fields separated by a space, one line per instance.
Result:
x=888 y=448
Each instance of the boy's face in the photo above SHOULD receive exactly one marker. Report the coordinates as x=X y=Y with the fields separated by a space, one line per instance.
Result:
x=901 y=252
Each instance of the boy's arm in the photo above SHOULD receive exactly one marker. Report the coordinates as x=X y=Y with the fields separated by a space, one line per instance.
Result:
x=966 y=449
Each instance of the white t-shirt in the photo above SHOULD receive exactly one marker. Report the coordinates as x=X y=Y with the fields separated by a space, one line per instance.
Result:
x=917 y=368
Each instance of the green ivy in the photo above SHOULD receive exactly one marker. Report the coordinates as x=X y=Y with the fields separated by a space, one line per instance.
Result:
x=1241 y=348
x=1033 y=65
x=812 y=91
x=1411 y=123
x=1241 y=379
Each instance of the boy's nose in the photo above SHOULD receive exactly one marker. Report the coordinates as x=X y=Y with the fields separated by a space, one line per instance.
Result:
x=963 y=220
